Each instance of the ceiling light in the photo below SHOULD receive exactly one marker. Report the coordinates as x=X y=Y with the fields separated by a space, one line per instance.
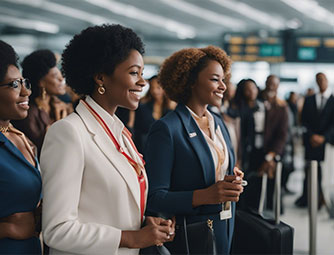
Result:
x=37 y=25
x=313 y=10
x=252 y=13
x=182 y=30
x=214 y=17
x=65 y=11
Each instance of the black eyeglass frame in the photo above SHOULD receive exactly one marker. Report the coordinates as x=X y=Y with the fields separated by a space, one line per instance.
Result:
x=15 y=84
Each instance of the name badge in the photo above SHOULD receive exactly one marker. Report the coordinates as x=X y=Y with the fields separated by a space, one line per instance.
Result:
x=226 y=213
x=191 y=135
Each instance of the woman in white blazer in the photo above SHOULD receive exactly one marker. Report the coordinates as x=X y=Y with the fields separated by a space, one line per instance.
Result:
x=94 y=180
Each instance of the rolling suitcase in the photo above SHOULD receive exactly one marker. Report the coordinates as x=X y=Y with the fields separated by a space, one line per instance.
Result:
x=259 y=233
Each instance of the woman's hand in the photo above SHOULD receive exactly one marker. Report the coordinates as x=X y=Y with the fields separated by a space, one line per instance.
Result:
x=18 y=226
x=268 y=167
x=238 y=172
x=228 y=189
x=156 y=232
x=60 y=110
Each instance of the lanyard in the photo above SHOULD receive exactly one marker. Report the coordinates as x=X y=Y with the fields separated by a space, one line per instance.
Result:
x=126 y=132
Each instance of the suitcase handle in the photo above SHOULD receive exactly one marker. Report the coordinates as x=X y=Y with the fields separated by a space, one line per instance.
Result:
x=277 y=193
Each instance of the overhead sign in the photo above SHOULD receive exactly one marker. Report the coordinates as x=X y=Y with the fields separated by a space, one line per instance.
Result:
x=253 y=48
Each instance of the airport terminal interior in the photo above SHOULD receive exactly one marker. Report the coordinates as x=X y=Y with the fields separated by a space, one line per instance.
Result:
x=292 y=39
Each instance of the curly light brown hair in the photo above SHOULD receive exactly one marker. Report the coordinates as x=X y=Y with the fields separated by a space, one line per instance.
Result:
x=179 y=72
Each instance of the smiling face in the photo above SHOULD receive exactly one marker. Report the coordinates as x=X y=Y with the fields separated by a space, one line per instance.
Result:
x=14 y=102
x=53 y=82
x=209 y=86
x=124 y=86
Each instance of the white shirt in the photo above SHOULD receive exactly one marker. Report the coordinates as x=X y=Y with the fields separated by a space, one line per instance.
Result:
x=218 y=139
x=325 y=95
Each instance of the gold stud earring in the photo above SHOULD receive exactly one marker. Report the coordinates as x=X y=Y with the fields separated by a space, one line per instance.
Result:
x=43 y=93
x=101 y=89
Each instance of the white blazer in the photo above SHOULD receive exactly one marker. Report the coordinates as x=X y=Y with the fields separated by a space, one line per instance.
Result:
x=90 y=191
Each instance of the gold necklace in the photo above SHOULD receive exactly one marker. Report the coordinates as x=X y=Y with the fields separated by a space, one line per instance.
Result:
x=4 y=129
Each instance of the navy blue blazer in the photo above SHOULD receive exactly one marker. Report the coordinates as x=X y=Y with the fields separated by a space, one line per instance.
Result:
x=317 y=122
x=179 y=161
x=20 y=191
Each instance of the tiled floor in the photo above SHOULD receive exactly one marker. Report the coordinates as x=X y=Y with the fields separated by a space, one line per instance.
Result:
x=299 y=218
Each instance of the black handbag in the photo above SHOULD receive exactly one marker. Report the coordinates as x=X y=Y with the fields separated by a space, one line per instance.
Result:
x=194 y=238
x=154 y=250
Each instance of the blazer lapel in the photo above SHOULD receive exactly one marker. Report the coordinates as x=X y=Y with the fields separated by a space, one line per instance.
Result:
x=327 y=106
x=107 y=147
x=16 y=152
x=198 y=142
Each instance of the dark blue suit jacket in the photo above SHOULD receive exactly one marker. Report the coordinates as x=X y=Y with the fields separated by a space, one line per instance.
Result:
x=20 y=191
x=317 y=122
x=179 y=161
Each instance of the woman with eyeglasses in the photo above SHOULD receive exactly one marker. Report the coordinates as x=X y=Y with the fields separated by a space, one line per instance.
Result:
x=20 y=180
x=47 y=82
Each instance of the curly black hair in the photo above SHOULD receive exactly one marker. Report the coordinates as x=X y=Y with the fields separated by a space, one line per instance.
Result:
x=8 y=57
x=97 y=49
x=35 y=66
x=180 y=71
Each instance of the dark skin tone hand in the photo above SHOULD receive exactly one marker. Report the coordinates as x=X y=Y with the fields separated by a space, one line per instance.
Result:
x=268 y=167
x=225 y=190
x=156 y=232
x=317 y=140
x=60 y=110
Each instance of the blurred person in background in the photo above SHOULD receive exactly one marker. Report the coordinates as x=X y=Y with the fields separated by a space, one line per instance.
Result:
x=189 y=156
x=47 y=82
x=317 y=120
x=20 y=180
x=156 y=105
x=94 y=180
x=232 y=122
x=251 y=112
x=263 y=129
x=288 y=156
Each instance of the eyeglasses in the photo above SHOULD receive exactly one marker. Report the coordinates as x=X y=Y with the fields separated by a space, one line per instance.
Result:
x=17 y=84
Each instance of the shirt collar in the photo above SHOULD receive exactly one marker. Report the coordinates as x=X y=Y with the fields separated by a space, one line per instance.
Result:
x=113 y=122
x=208 y=115
x=326 y=94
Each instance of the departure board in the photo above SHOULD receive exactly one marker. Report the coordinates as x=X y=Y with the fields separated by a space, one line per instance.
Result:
x=253 y=48
x=312 y=49
x=281 y=48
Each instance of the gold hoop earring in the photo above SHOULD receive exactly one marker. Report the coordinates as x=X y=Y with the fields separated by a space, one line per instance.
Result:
x=101 y=89
x=43 y=93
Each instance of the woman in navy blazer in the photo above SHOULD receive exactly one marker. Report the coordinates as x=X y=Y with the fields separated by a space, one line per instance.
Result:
x=20 y=180
x=189 y=156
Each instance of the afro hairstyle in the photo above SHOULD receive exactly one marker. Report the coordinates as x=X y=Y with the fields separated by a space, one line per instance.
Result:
x=97 y=49
x=8 y=57
x=36 y=66
x=180 y=71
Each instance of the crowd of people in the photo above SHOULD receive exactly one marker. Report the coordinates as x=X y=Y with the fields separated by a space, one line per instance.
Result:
x=116 y=173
